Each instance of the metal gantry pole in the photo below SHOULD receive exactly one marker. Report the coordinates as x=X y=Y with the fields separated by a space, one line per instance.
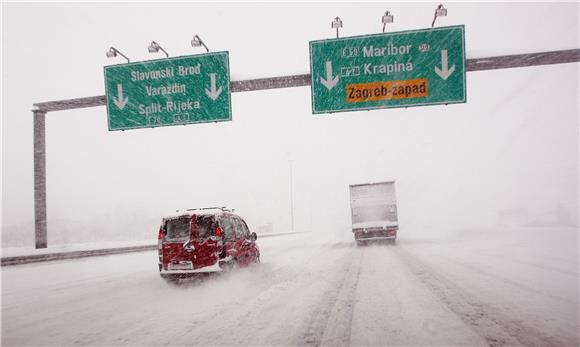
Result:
x=40 y=230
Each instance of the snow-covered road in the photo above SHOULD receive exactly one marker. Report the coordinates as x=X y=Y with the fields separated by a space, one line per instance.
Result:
x=465 y=287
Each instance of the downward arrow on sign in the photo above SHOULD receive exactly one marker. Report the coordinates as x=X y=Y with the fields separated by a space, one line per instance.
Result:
x=329 y=82
x=120 y=102
x=444 y=72
x=213 y=93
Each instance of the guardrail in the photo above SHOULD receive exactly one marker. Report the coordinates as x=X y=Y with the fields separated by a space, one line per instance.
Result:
x=37 y=258
x=279 y=234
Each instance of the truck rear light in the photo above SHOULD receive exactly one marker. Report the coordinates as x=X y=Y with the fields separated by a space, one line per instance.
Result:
x=160 y=237
x=218 y=232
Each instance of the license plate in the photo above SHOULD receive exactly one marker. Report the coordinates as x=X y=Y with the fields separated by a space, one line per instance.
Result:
x=181 y=266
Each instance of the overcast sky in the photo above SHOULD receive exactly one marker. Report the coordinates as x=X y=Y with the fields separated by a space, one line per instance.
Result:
x=509 y=153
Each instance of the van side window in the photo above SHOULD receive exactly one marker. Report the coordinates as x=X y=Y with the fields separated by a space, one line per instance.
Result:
x=240 y=234
x=246 y=229
x=228 y=228
x=244 y=232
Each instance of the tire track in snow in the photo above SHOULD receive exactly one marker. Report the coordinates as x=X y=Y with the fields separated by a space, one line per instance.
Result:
x=509 y=281
x=489 y=322
x=498 y=255
x=276 y=312
x=332 y=320
x=266 y=285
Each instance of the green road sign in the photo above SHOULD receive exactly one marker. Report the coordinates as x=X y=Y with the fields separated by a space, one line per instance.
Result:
x=400 y=69
x=182 y=90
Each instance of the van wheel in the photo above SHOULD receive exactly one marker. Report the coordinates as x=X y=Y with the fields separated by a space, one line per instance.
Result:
x=173 y=280
x=229 y=265
x=257 y=259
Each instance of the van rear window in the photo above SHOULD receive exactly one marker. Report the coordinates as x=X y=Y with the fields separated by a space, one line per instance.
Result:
x=205 y=227
x=178 y=229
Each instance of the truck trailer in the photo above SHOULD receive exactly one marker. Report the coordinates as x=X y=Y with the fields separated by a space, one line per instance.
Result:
x=374 y=212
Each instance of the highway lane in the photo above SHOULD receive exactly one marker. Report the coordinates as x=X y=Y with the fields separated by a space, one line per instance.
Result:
x=310 y=289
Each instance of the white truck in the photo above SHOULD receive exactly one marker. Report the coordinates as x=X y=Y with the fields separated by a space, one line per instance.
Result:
x=374 y=212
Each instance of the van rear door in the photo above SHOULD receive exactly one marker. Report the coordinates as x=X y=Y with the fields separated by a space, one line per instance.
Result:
x=205 y=242
x=190 y=243
x=176 y=239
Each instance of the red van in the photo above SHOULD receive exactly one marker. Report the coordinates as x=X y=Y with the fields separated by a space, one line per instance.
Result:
x=204 y=240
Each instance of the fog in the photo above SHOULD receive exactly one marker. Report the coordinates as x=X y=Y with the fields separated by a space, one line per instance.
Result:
x=509 y=156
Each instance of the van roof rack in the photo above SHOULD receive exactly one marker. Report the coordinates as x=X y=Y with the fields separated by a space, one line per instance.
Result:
x=223 y=208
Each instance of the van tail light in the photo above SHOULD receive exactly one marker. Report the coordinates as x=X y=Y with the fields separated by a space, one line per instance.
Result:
x=218 y=232
x=160 y=237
